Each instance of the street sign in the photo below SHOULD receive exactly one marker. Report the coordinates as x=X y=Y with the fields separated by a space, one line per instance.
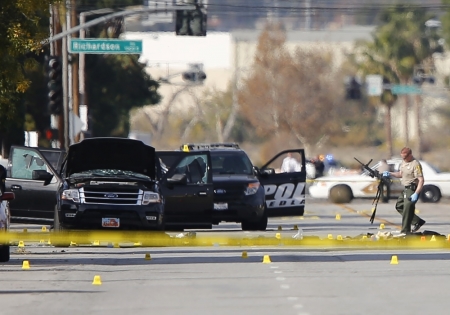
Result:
x=105 y=46
x=374 y=84
x=405 y=89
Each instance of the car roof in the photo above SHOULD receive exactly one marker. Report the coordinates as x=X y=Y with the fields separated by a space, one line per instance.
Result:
x=231 y=146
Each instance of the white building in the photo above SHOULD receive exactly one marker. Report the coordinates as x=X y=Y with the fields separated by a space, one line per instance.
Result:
x=225 y=54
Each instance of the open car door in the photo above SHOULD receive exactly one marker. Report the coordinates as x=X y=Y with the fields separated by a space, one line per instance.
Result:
x=284 y=181
x=27 y=168
x=186 y=184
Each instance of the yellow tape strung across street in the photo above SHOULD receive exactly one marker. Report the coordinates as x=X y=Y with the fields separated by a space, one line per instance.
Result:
x=161 y=239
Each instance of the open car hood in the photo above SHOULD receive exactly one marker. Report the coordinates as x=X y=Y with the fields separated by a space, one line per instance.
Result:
x=111 y=153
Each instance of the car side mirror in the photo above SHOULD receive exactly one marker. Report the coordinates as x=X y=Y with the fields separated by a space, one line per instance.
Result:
x=42 y=175
x=177 y=179
x=256 y=170
x=267 y=171
x=7 y=196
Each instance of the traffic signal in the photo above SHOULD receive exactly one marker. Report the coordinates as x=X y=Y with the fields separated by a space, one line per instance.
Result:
x=191 y=22
x=353 y=89
x=54 y=84
x=51 y=134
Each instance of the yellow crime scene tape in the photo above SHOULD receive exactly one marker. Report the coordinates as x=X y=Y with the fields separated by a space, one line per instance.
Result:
x=161 y=239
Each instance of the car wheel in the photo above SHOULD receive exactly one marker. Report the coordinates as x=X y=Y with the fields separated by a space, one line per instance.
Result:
x=4 y=253
x=341 y=194
x=58 y=228
x=260 y=225
x=430 y=194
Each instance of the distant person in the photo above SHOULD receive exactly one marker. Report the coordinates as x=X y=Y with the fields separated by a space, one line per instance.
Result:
x=290 y=164
x=319 y=165
x=412 y=179
x=384 y=167
x=385 y=189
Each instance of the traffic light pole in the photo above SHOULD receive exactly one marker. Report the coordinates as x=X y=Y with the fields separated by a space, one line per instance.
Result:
x=65 y=80
x=63 y=122
x=115 y=15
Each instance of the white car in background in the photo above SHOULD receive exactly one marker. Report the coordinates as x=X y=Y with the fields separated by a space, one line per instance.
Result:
x=342 y=189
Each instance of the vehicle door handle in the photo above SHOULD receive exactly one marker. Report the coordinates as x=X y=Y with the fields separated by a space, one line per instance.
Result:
x=202 y=193
x=16 y=187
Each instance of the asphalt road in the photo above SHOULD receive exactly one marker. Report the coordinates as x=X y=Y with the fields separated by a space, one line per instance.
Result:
x=218 y=280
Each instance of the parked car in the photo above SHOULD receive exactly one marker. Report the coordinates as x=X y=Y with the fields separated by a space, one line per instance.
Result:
x=107 y=183
x=248 y=194
x=5 y=198
x=342 y=189
x=117 y=183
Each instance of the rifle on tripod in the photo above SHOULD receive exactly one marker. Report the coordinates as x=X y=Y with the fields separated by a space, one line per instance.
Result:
x=381 y=181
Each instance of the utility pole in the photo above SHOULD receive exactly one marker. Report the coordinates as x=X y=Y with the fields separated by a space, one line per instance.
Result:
x=69 y=76
x=75 y=98
x=419 y=129
x=81 y=73
x=65 y=139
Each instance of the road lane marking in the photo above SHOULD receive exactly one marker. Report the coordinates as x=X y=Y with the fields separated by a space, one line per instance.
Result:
x=349 y=209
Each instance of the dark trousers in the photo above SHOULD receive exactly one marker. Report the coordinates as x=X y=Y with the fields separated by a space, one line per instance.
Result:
x=406 y=208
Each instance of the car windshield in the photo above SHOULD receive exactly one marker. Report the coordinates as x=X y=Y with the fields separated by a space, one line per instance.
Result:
x=231 y=163
x=110 y=173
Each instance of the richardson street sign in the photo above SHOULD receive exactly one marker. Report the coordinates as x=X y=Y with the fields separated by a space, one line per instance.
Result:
x=105 y=46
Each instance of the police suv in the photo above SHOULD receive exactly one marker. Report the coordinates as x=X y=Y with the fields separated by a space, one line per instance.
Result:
x=247 y=194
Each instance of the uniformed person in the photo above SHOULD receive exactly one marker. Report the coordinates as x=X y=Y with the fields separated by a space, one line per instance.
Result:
x=412 y=179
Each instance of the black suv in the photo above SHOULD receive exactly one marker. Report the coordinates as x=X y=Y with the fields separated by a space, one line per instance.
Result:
x=109 y=183
x=248 y=194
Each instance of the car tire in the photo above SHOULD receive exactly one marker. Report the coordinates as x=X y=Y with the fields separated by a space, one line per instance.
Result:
x=58 y=228
x=430 y=194
x=4 y=253
x=260 y=225
x=341 y=194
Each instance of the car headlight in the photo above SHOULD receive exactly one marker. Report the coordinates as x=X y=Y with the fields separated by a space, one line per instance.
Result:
x=71 y=194
x=150 y=197
x=251 y=189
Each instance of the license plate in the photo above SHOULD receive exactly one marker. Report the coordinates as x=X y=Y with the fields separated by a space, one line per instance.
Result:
x=111 y=222
x=221 y=206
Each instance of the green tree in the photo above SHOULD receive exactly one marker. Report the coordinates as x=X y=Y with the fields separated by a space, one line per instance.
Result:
x=115 y=85
x=21 y=33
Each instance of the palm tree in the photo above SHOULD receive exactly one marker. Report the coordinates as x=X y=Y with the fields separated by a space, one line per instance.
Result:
x=399 y=44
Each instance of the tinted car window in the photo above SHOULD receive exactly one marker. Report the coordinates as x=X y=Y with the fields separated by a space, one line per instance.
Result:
x=53 y=157
x=235 y=162
x=25 y=162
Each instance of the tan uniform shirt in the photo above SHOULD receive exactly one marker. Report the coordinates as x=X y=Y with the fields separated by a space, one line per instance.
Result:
x=410 y=172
